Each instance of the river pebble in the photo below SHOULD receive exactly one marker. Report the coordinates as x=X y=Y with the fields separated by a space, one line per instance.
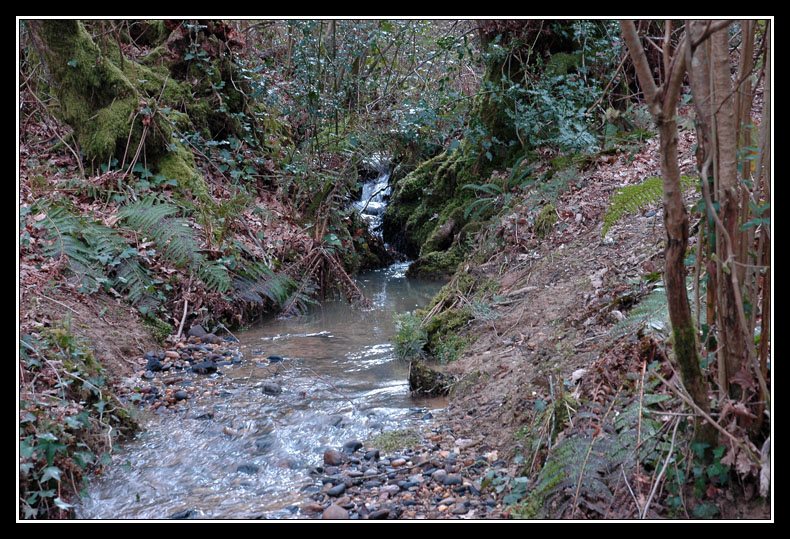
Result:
x=426 y=482
x=201 y=355
x=441 y=478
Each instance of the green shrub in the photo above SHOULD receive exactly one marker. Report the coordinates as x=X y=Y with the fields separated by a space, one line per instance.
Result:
x=410 y=337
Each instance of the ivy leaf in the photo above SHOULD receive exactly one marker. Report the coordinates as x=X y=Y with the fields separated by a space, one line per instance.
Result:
x=332 y=240
x=51 y=472
x=25 y=449
x=62 y=505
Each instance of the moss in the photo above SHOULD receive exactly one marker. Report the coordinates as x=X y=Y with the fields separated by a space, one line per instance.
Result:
x=179 y=164
x=462 y=283
x=427 y=208
x=396 y=440
x=445 y=325
x=545 y=220
x=102 y=95
x=437 y=264
x=440 y=234
x=427 y=381
x=159 y=329
x=562 y=63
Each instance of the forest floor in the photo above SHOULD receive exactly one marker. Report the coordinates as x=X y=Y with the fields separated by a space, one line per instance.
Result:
x=558 y=300
x=552 y=326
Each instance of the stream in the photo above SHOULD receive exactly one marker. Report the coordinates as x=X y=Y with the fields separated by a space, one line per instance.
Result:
x=238 y=452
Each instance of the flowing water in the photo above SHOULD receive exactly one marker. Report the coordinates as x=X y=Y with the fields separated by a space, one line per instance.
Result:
x=373 y=201
x=239 y=452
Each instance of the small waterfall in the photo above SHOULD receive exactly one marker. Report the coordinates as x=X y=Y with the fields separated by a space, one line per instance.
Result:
x=373 y=201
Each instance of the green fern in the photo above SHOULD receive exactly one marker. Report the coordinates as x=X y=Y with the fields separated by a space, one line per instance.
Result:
x=652 y=312
x=173 y=237
x=176 y=241
x=96 y=255
x=633 y=198
x=578 y=470
x=255 y=283
x=583 y=468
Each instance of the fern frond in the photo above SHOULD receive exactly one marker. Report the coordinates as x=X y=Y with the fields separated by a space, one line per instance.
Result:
x=633 y=198
x=652 y=312
x=172 y=235
x=66 y=240
x=96 y=255
x=578 y=469
x=215 y=275
x=176 y=242
x=274 y=288
x=131 y=277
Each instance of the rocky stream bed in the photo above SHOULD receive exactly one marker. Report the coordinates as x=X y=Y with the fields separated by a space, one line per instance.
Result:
x=433 y=475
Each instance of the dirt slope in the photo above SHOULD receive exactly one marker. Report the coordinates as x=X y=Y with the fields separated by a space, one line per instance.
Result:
x=558 y=298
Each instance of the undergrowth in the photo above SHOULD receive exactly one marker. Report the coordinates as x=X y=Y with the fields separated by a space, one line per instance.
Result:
x=68 y=420
x=146 y=243
x=621 y=453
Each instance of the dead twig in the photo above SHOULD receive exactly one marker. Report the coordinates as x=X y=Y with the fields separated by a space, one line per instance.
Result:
x=643 y=514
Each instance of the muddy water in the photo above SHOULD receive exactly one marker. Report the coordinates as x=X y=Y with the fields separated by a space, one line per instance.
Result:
x=242 y=453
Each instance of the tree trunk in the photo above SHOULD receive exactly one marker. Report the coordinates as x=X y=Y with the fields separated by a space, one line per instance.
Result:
x=662 y=104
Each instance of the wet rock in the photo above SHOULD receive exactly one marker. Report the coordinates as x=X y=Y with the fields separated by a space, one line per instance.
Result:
x=270 y=388
x=311 y=508
x=263 y=444
x=290 y=463
x=337 y=490
x=439 y=475
x=334 y=512
x=379 y=514
x=180 y=395
x=333 y=457
x=460 y=509
x=351 y=446
x=204 y=367
x=372 y=454
x=186 y=513
x=249 y=469
x=210 y=338
x=153 y=362
x=451 y=480
x=389 y=490
x=196 y=331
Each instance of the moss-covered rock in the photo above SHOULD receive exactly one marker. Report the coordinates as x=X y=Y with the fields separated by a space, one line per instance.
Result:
x=109 y=101
x=427 y=207
x=562 y=63
x=159 y=329
x=428 y=381
x=437 y=265
x=445 y=325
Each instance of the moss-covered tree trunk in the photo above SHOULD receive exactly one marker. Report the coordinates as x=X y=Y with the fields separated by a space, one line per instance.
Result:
x=103 y=96
x=127 y=110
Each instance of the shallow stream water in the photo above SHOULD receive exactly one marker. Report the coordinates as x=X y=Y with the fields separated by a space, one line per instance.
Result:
x=241 y=453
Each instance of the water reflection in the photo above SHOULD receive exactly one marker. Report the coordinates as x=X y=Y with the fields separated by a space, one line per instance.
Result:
x=240 y=452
